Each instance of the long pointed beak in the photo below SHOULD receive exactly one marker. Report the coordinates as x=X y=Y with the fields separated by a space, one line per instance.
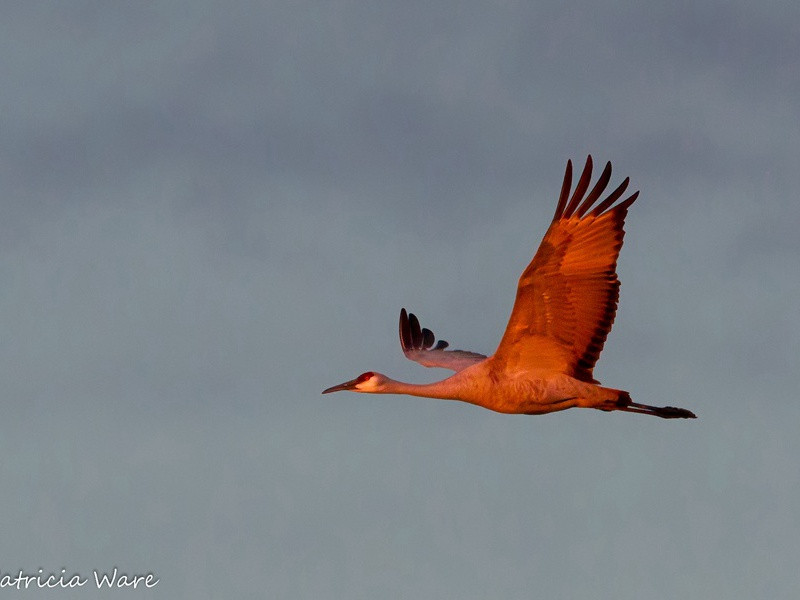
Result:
x=347 y=385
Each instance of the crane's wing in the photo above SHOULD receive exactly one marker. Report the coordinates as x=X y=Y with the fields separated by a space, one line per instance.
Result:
x=567 y=297
x=418 y=346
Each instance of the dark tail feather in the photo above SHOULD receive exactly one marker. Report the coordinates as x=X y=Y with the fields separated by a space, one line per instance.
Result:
x=665 y=412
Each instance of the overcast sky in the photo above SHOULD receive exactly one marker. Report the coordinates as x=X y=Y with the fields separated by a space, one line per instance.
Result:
x=212 y=211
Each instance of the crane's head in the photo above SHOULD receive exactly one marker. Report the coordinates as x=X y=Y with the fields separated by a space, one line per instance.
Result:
x=369 y=382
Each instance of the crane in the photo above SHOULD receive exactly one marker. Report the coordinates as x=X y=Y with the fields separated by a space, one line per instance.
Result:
x=564 y=309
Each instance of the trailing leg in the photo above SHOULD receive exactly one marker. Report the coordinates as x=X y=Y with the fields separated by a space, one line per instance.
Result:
x=665 y=412
x=624 y=403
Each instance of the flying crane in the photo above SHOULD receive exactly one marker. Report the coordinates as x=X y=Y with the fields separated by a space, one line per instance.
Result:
x=565 y=307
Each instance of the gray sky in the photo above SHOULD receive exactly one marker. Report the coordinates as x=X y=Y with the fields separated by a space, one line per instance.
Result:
x=212 y=211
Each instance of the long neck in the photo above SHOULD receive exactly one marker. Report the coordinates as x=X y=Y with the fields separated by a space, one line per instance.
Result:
x=451 y=388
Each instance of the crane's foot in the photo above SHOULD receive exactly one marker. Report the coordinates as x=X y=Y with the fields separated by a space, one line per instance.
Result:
x=671 y=412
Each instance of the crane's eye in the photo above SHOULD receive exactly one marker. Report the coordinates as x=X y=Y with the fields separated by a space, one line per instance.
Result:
x=364 y=376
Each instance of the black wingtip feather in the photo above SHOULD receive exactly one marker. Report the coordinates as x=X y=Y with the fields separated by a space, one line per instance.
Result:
x=405 y=333
x=580 y=189
x=416 y=331
x=597 y=190
x=562 y=198
x=427 y=338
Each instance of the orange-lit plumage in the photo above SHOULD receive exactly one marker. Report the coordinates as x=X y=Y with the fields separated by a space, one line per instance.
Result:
x=564 y=309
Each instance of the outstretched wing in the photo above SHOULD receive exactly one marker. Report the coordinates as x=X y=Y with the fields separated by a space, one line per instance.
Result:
x=418 y=346
x=567 y=297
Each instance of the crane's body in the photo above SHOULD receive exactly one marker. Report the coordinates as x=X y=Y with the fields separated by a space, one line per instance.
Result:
x=531 y=393
x=565 y=307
